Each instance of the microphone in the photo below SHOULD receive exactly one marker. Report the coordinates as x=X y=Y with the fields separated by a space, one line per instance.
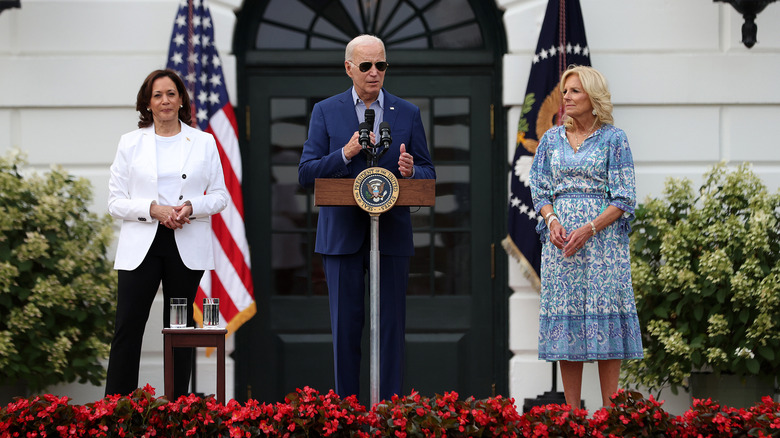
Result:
x=364 y=137
x=384 y=134
x=369 y=115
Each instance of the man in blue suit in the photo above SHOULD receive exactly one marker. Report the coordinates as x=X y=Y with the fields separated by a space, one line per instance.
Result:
x=333 y=151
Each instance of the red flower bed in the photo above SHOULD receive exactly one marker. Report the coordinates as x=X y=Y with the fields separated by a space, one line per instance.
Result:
x=307 y=413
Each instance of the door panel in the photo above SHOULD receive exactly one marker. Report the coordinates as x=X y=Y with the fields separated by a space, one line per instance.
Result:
x=450 y=296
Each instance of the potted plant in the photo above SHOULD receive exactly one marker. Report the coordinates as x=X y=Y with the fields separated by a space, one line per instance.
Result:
x=56 y=283
x=706 y=274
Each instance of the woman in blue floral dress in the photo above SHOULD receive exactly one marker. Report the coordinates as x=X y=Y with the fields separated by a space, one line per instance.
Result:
x=582 y=183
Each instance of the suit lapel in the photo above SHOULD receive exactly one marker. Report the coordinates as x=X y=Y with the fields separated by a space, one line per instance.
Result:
x=347 y=108
x=186 y=145
x=149 y=148
x=391 y=108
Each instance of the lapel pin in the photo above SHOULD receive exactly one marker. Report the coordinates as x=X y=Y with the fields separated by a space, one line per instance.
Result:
x=392 y=108
x=188 y=139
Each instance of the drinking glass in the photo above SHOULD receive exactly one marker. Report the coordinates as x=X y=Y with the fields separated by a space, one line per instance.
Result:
x=211 y=313
x=178 y=317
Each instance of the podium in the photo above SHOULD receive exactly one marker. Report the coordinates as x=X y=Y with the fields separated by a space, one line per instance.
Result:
x=344 y=192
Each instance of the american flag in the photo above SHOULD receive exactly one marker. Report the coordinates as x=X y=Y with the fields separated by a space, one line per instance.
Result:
x=561 y=42
x=194 y=57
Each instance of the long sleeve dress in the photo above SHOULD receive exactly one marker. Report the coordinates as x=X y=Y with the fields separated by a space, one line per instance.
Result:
x=588 y=311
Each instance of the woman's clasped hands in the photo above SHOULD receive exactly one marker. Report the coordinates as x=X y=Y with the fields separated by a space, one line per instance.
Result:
x=173 y=217
x=571 y=242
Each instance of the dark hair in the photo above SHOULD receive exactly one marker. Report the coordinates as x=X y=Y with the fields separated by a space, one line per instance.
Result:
x=145 y=97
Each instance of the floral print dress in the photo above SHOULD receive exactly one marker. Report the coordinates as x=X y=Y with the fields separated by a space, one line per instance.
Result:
x=588 y=311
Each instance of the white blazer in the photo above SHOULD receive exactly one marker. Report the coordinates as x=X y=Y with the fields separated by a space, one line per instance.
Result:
x=133 y=187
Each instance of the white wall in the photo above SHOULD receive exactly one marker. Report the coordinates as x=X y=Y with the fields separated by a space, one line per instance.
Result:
x=687 y=93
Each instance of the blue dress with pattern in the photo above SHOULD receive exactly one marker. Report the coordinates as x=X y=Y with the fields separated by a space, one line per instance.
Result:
x=588 y=311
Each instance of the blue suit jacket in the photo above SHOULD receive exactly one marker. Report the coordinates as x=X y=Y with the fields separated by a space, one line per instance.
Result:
x=342 y=230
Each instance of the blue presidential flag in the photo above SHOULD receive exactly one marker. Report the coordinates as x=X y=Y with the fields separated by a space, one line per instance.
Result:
x=561 y=43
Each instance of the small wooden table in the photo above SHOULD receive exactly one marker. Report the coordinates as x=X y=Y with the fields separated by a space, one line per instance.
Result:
x=194 y=337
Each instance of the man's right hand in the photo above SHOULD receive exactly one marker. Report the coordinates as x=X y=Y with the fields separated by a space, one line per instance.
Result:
x=353 y=147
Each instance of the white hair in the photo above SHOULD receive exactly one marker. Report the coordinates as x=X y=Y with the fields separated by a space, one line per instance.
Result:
x=359 y=41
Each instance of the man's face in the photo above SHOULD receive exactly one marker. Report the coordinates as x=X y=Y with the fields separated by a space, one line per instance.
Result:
x=367 y=84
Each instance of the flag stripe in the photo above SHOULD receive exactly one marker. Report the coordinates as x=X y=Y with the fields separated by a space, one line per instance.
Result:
x=231 y=179
x=232 y=251
x=228 y=309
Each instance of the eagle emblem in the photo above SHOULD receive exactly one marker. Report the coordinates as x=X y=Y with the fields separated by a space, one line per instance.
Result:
x=377 y=190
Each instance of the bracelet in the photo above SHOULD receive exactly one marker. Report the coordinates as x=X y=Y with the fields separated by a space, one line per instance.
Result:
x=547 y=216
x=592 y=227
x=554 y=218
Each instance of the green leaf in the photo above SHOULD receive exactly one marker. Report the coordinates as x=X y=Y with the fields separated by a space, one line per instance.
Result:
x=5 y=251
x=698 y=312
x=721 y=295
x=25 y=266
x=698 y=341
x=743 y=316
x=753 y=365
x=766 y=352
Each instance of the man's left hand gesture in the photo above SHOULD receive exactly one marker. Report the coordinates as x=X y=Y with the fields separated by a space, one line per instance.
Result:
x=405 y=163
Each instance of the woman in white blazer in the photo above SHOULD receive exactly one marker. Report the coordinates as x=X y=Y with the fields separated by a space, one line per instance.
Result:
x=166 y=182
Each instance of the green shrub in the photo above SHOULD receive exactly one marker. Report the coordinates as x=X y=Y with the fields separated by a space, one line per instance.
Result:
x=57 y=287
x=706 y=273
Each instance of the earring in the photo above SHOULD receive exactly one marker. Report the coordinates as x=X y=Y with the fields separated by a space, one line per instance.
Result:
x=181 y=106
x=593 y=112
x=148 y=109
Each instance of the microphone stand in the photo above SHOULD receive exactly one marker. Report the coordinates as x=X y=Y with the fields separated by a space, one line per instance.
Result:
x=373 y=153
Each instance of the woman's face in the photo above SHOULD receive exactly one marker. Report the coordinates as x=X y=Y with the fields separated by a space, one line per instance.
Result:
x=165 y=101
x=576 y=101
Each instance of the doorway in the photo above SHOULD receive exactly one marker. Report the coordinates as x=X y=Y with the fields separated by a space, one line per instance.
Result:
x=456 y=301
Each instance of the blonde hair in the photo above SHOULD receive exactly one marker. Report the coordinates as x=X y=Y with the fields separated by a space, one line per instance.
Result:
x=595 y=84
x=359 y=41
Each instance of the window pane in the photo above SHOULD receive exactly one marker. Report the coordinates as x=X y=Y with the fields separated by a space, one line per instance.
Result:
x=412 y=29
x=452 y=129
x=452 y=264
x=463 y=37
x=288 y=245
x=424 y=103
x=447 y=13
x=322 y=43
x=288 y=130
x=270 y=36
x=453 y=199
x=420 y=267
x=402 y=14
x=323 y=27
x=291 y=12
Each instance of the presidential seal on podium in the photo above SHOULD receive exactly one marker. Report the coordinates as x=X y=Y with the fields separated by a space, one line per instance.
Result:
x=375 y=190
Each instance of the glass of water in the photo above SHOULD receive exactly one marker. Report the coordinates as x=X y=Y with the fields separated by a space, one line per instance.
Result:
x=178 y=317
x=211 y=313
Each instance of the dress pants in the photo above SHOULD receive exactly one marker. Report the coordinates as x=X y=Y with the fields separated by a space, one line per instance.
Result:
x=347 y=291
x=136 y=292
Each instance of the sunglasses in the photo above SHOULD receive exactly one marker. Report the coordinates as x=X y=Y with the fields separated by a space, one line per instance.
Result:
x=366 y=66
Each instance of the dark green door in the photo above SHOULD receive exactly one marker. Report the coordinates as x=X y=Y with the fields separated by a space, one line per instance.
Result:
x=451 y=339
